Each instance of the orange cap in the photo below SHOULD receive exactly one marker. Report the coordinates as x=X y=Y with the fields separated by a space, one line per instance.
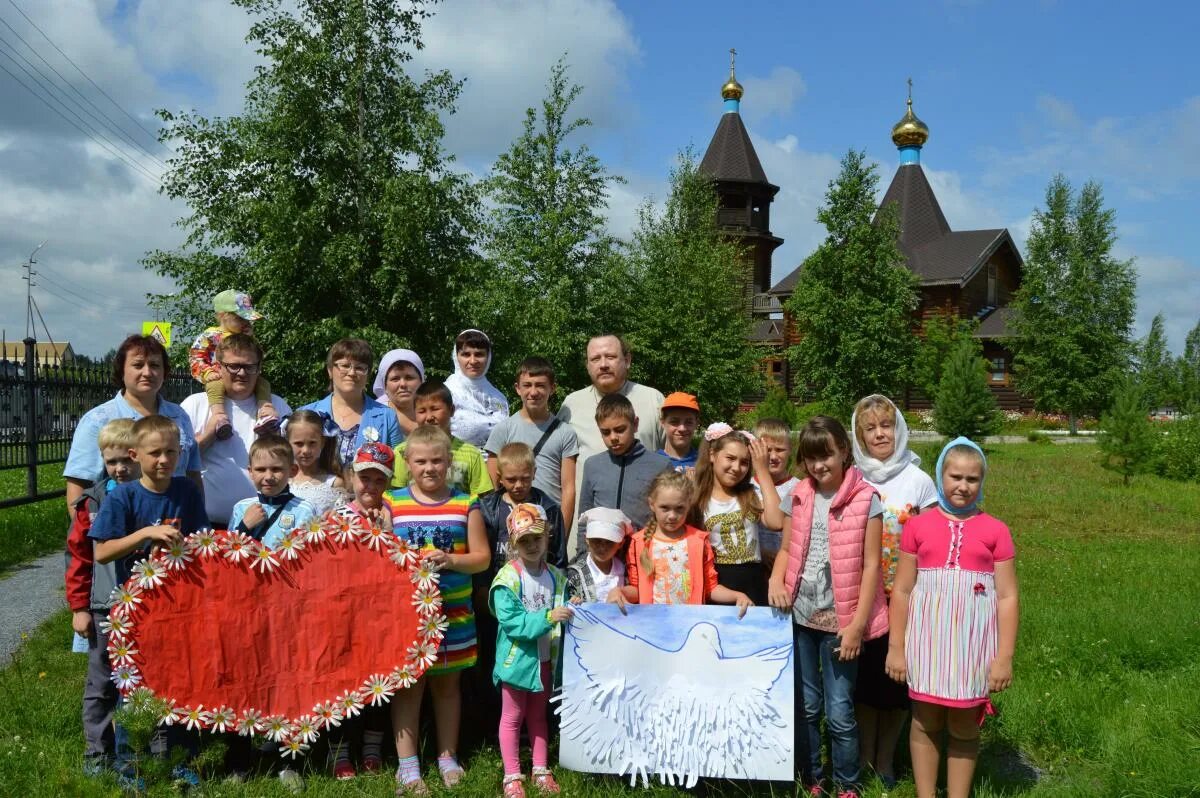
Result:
x=684 y=401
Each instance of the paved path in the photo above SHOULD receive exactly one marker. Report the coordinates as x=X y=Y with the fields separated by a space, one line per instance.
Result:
x=29 y=594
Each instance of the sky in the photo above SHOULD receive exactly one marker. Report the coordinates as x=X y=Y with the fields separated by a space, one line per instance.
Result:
x=1013 y=92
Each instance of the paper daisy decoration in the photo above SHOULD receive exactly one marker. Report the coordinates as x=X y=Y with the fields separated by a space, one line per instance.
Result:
x=290 y=547
x=293 y=747
x=148 y=573
x=125 y=677
x=168 y=714
x=307 y=729
x=344 y=531
x=374 y=537
x=116 y=626
x=425 y=575
x=194 y=717
x=264 y=559
x=176 y=556
x=121 y=652
x=427 y=601
x=423 y=654
x=314 y=531
x=329 y=714
x=378 y=689
x=404 y=677
x=125 y=597
x=350 y=703
x=402 y=552
x=277 y=728
x=204 y=543
x=434 y=625
x=249 y=723
x=222 y=720
x=238 y=547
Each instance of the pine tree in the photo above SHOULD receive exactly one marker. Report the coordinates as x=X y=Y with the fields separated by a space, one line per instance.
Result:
x=1074 y=310
x=1127 y=439
x=1156 y=372
x=546 y=240
x=940 y=335
x=963 y=403
x=854 y=299
x=686 y=314
x=1188 y=367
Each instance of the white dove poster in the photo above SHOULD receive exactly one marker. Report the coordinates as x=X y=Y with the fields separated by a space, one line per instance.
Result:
x=679 y=693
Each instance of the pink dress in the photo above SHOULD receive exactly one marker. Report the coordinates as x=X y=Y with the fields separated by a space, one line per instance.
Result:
x=951 y=637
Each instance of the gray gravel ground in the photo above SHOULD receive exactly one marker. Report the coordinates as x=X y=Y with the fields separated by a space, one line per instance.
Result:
x=29 y=594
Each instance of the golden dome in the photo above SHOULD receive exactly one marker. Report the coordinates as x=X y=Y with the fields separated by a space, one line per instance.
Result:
x=732 y=90
x=910 y=131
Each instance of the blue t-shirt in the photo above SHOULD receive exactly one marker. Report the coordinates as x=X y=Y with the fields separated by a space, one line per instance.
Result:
x=681 y=464
x=85 y=462
x=296 y=513
x=132 y=506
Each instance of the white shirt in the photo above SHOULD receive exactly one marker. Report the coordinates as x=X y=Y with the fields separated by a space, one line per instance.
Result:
x=605 y=582
x=537 y=594
x=224 y=464
x=734 y=539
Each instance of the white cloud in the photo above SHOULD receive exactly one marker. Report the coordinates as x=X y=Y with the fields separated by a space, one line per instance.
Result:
x=774 y=95
x=1167 y=285
x=505 y=51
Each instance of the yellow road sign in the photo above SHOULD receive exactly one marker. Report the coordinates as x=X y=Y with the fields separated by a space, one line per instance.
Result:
x=158 y=329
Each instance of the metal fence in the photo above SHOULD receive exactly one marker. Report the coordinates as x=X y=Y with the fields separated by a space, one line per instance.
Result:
x=41 y=403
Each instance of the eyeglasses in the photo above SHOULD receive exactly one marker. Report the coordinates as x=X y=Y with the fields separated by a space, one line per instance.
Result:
x=350 y=368
x=240 y=368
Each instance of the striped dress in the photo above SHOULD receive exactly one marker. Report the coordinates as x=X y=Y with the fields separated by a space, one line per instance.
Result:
x=952 y=634
x=442 y=525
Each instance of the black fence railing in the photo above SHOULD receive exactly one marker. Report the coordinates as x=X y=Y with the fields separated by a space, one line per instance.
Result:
x=41 y=402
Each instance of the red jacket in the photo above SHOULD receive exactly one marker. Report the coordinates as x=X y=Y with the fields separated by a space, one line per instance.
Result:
x=79 y=546
x=701 y=565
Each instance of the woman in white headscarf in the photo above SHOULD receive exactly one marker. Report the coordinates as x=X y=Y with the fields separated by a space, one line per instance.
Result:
x=478 y=405
x=400 y=373
x=879 y=437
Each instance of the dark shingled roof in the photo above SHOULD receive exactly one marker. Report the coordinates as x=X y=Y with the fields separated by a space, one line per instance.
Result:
x=730 y=155
x=787 y=285
x=921 y=218
x=767 y=331
x=995 y=324
x=954 y=256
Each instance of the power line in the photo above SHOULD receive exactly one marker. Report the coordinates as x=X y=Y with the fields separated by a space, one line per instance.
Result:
x=153 y=137
x=91 y=132
x=111 y=126
x=142 y=170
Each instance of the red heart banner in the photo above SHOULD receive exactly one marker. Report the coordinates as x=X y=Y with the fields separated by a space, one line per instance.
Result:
x=284 y=642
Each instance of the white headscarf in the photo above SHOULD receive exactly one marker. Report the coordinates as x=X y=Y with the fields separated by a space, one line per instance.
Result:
x=880 y=471
x=478 y=405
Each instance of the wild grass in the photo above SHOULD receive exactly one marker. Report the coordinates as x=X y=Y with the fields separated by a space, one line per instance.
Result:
x=1107 y=674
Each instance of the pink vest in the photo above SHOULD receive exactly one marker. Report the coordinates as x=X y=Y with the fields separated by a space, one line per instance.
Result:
x=848 y=514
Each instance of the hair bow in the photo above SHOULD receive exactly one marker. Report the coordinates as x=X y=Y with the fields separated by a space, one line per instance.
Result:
x=719 y=429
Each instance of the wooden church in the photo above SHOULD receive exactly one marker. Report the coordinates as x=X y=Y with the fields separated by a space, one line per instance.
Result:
x=969 y=273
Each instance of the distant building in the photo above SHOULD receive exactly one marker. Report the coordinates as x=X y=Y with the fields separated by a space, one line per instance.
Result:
x=48 y=353
x=966 y=273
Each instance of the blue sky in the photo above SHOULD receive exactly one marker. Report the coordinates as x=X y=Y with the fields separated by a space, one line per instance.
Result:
x=1012 y=92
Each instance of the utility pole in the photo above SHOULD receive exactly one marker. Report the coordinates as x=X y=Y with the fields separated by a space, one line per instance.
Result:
x=30 y=327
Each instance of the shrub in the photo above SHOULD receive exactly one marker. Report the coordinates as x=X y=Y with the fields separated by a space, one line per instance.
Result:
x=963 y=404
x=1179 y=450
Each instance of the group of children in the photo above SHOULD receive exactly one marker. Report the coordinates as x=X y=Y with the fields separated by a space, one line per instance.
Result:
x=900 y=588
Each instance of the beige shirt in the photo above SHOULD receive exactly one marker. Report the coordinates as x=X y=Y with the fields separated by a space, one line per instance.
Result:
x=579 y=410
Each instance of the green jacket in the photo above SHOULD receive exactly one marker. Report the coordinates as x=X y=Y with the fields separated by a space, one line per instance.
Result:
x=519 y=629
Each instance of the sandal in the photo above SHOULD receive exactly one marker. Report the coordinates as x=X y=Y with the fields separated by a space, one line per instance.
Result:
x=452 y=772
x=544 y=781
x=513 y=788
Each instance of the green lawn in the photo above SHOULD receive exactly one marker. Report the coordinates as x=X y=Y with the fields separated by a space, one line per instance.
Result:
x=1107 y=672
x=31 y=530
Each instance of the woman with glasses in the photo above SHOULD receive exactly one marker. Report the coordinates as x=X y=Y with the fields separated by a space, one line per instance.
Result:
x=348 y=411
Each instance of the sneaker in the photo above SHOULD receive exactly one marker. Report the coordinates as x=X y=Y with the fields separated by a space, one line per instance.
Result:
x=816 y=791
x=344 y=770
x=513 y=788
x=291 y=781
x=544 y=781
x=267 y=425
x=224 y=431
x=185 y=777
x=372 y=764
